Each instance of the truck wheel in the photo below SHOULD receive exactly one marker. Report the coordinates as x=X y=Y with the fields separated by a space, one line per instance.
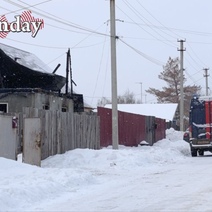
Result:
x=201 y=152
x=193 y=153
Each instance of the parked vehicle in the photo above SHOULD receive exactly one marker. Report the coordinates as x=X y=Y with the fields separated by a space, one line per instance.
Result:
x=200 y=121
x=186 y=135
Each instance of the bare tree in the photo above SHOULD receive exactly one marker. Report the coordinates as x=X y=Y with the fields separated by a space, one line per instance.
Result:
x=171 y=93
x=103 y=101
x=127 y=98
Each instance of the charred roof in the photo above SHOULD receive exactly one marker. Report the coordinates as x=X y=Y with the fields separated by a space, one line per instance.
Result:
x=21 y=69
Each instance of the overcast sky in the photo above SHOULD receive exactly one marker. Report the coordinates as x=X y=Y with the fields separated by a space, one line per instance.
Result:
x=151 y=27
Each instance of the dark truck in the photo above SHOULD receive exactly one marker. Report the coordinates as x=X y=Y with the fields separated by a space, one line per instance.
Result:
x=200 y=122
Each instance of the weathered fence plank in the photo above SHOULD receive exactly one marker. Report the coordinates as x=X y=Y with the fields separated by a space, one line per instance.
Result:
x=32 y=141
x=60 y=131
x=63 y=131
x=53 y=122
x=8 y=138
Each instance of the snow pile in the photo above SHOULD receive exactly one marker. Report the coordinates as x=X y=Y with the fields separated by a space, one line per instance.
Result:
x=173 y=135
x=168 y=150
x=24 y=187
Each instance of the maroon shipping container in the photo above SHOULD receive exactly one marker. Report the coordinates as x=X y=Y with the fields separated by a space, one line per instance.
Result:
x=133 y=128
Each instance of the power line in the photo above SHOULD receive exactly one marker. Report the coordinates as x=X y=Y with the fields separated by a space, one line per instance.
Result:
x=194 y=61
x=56 y=58
x=58 y=19
x=151 y=59
x=37 y=45
x=24 y=8
x=106 y=71
x=192 y=79
x=196 y=55
x=100 y=64
x=57 y=27
x=52 y=47
x=138 y=14
x=85 y=38
x=140 y=26
x=158 y=21
x=171 y=28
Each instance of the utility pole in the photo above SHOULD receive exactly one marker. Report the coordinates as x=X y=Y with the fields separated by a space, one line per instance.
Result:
x=206 y=75
x=115 y=138
x=71 y=78
x=141 y=91
x=181 y=86
x=67 y=69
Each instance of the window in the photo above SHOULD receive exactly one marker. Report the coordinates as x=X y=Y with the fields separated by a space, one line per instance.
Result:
x=64 y=109
x=4 y=107
x=46 y=107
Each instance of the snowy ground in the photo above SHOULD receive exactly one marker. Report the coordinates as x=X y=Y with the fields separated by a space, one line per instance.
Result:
x=163 y=177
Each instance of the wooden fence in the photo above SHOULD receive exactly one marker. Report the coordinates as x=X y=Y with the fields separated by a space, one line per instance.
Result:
x=63 y=131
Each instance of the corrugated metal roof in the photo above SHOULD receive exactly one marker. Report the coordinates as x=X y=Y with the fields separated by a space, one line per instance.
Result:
x=21 y=69
x=25 y=58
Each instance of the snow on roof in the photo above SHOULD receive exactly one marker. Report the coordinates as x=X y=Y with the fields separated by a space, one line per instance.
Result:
x=163 y=111
x=25 y=58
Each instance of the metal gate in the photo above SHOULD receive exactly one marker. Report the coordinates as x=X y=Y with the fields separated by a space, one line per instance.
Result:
x=150 y=129
x=32 y=141
x=8 y=137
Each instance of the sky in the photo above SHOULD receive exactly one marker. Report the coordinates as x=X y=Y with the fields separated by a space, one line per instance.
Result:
x=148 y=33
x=162 y=177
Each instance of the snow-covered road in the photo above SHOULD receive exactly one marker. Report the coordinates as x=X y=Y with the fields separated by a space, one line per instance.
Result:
x=160 y=178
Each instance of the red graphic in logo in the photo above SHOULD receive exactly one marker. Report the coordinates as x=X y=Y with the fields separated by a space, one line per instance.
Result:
x=23 y=23
x=3 y=34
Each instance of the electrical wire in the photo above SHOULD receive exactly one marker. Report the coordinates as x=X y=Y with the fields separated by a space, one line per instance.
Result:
x=178 y=36
x=196 y=55
x=138 y=14
x=87 y=46
x=57 y=27
x=100 y=64
x=52 y=47
x=14 y=11
x=192 y=79
x=62 y=21
x=172 y=29
x=56 y=58
x=142 y=38
x=151 y=59
x=136 y=24
x=85 y=38
x=58 y=19
x=106 y=71
x=37 y=45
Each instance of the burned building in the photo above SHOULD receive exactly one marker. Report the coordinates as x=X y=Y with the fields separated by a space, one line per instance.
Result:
x=25 y=81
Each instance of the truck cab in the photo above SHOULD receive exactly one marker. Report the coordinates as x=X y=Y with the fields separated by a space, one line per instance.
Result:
x=200 y=123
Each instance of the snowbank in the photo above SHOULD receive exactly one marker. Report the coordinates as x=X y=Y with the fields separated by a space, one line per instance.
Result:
x=24 y=186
